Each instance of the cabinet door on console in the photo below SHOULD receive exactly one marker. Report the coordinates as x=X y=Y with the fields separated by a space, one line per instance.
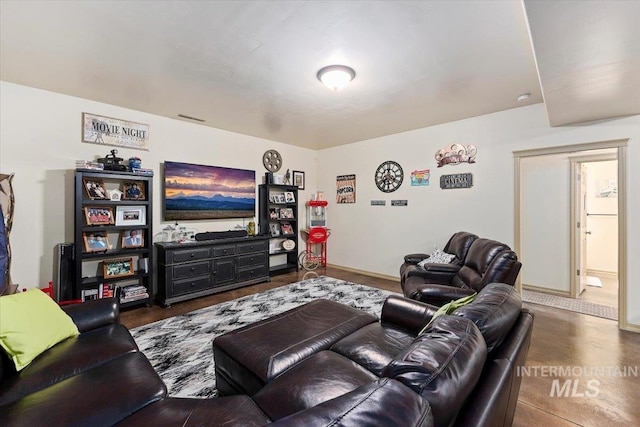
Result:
x=224 y=271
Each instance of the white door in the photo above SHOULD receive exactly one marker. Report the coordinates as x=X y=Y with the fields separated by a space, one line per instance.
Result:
x=582 y=227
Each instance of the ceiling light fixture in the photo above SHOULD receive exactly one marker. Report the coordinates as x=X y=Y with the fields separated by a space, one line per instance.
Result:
x=336 y=77
x=524 y=97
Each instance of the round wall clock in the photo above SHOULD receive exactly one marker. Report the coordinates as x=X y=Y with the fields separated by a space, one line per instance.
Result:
x=389 y=176
x=272 y=160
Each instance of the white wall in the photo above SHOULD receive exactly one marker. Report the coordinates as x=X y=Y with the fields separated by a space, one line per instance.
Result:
x=374 y=238
x=602 y=222
x=545 y=186
x=40 y=140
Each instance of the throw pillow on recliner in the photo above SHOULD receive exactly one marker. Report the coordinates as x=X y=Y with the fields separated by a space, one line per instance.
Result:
x=437 y=257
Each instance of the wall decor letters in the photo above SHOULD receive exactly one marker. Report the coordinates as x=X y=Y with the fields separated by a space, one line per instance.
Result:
x=109 y=131
x=456 y=154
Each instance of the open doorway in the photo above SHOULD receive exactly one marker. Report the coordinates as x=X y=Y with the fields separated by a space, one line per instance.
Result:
x=596 y=239
x=549 y=226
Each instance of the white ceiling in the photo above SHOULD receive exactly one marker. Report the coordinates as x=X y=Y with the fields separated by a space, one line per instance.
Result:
x=250 y=66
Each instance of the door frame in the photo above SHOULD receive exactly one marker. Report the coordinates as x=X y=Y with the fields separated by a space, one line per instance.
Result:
x=576 y=210
x=621 y=153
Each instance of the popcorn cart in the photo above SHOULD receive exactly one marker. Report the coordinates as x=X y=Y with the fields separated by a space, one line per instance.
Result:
x=316 y=234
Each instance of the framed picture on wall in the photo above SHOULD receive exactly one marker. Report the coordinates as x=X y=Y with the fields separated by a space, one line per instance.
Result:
x=298 y=179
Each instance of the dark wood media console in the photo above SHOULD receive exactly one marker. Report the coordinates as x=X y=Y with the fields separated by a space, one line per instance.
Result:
x=195 y=269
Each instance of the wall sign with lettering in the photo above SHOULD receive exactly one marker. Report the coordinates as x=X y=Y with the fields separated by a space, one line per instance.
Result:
x=346 y=189
x=456 y=180
x=399 y=203
x=119 y=133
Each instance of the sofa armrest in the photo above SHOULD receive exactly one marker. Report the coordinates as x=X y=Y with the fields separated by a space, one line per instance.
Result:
x=438 y=295
x=407 y=313
x=434 y=273
x=94 y=314
x=415 y=258
x=367 y=405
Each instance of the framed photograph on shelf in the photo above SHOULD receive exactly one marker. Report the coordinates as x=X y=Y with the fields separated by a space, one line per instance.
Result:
x=117 y=268
x=98 y=216
x=298 y=179
x=280 y=198
x=286 y=228
x=286 y=213
x=95 y=242
x=133 y=191
x=132 y=239
x=131 y=215
x=273 y=213
x=275 y=229
x=94 y=188
x=289 y=197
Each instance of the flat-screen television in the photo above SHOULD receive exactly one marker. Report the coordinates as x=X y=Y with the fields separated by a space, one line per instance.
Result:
x=208 y=192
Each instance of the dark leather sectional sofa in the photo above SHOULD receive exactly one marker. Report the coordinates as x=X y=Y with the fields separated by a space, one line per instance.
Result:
x=362 y=372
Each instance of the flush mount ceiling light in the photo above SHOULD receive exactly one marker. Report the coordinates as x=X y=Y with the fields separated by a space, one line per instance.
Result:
x=336 y=77
x=524 y=97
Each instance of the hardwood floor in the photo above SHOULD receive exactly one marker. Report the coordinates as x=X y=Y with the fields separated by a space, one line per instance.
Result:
x=561 y=339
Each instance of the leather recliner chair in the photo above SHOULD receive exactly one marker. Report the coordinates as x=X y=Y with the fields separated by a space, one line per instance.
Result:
x=457 y=245
x=487 y=261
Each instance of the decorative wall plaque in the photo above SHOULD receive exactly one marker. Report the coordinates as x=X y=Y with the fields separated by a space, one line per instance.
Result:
x=456 y=180
x=378 y=202
x=399 y=203
x=109 y=131
x=456 y=154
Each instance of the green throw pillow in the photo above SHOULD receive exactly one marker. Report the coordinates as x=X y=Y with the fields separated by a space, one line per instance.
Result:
x=449 y=308
x=30 y=323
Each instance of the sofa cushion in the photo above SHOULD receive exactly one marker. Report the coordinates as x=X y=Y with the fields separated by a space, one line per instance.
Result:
x=30 y=323
x=101 y=396
x=368 y=405
x=494 y=311
x=442 y=365
x=70 y=357
x=374 y=346
x=321 y=377
x=249 y=357
x=231 y=411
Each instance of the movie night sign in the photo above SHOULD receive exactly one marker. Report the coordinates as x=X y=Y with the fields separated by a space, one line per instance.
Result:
x=119 y=133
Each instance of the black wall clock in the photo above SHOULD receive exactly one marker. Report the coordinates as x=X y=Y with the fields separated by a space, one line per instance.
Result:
x=389 y=176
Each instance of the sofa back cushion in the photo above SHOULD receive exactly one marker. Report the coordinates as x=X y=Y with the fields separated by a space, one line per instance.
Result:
x=442 y=365
x=459 y=245
x=487 y=261
x=494 y=311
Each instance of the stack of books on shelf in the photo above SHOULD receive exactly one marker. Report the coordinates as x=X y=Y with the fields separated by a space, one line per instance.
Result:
x=132 y=293
x=88 y=164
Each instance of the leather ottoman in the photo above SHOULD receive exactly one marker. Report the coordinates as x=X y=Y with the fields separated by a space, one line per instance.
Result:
x=248 y=358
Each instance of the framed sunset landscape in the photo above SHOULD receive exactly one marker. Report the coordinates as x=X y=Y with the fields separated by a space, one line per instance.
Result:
x=193 y=192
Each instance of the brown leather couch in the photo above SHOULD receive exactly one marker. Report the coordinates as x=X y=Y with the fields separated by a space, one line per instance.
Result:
x=464 y=365
x=487 y=261
x=99 y=378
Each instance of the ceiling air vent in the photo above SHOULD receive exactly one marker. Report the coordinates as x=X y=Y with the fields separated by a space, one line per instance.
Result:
x=190 y=118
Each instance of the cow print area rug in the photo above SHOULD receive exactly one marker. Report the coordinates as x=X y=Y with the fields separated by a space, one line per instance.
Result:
x=180 y=349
